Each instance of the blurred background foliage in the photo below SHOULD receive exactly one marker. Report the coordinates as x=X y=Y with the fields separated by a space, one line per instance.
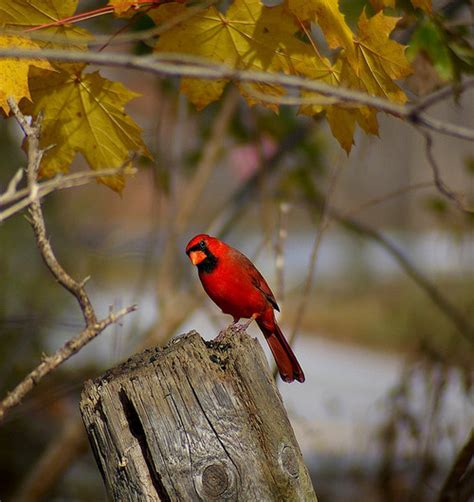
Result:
x=388 y=401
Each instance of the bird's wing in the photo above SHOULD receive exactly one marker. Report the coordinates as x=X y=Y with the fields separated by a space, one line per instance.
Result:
x=269 y=295
x=256 y=277
x=261 y=284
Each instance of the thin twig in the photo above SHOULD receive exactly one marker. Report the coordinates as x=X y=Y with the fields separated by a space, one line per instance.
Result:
x=386 y=197
x=440 y=184
x=35 y=153
x=282 y=229
x=20 y=199
x=322 y=226
x=123 y=38
x=450 y=310
x=12 y=188
x=181 y=65
x=441 y=94
x=308 y=285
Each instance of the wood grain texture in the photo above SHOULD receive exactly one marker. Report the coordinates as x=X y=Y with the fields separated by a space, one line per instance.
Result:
x=198 y=421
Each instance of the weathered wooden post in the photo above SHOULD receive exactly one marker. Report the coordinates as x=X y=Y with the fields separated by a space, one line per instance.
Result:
x=194 y=421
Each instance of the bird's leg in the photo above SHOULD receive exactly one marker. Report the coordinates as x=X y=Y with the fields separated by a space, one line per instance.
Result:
x=245 y=325
x=221 y=334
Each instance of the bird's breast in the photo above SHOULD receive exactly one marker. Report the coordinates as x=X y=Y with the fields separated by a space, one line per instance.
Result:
x=233 y=291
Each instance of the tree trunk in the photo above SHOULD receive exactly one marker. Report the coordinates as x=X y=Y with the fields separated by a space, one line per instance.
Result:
x=194 y=421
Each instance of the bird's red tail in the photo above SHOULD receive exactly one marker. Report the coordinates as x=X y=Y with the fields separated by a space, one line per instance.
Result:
x=288 y=366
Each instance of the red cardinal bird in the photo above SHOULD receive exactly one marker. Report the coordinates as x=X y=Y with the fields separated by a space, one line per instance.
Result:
x=237 y=287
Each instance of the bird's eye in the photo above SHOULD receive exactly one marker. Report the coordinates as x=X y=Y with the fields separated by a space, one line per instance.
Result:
x=202 y=245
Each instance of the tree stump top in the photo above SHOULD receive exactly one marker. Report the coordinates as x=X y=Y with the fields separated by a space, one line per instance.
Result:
x=194 y=420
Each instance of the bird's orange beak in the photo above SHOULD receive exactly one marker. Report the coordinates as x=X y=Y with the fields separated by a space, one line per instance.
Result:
x=197 y=257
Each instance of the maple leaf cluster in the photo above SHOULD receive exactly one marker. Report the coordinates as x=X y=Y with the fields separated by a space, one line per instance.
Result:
x=84 y=112
x=251 y=36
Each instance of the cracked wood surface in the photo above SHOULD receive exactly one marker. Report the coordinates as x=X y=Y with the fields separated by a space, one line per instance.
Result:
x=197 y=421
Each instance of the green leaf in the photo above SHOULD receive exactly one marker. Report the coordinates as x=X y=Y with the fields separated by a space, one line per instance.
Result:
x=430 y=39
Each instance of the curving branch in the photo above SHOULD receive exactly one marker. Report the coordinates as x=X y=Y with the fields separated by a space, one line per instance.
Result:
x=442 y=94
x=93 y=327
x=450 y=310
x=180 y=65
x=438 y=181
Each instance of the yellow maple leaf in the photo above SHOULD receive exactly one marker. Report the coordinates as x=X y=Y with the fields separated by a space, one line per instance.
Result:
x=318 y=69
x=248 y=36
x=343 y=119
x=327 y=14
x=252 y=36
x=83 y=112
x=14 y=71
x=379 y=60
x=20 y=15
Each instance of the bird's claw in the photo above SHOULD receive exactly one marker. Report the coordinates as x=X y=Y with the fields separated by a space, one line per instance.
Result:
x=220 y=336
x=245 y=325
x=235 y=326
x=242 y=328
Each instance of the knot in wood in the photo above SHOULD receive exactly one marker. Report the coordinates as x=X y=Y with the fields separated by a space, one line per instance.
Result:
x=289 y=461
x=216 y=481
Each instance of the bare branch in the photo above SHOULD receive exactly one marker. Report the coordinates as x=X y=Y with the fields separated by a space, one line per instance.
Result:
x=441 y=94
x=180 y=65
x=50 y=363
x=440 y=184
x=386 y=197
x=451 y=311
x=11 y=190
